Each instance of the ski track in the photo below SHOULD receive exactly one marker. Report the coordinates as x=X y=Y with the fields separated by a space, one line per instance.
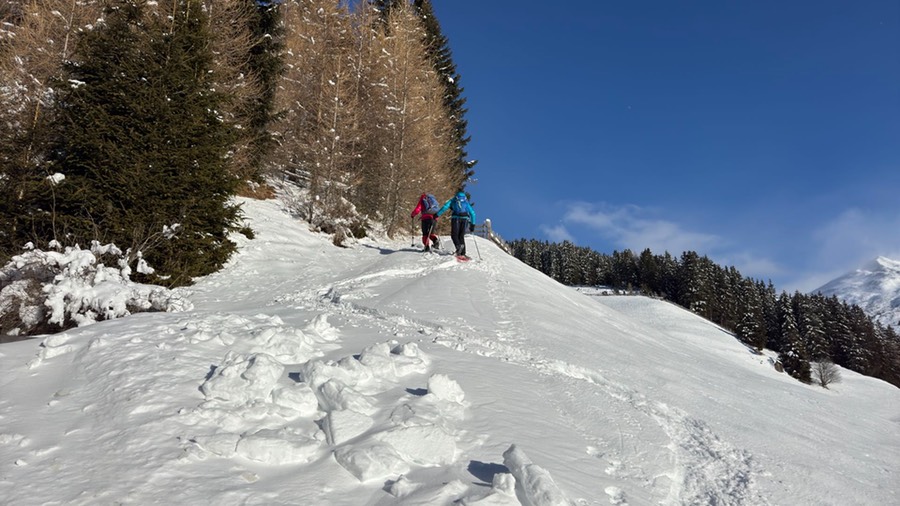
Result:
x=705 y=469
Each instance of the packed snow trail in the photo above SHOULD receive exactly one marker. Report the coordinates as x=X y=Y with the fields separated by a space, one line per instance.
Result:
x=704 y=469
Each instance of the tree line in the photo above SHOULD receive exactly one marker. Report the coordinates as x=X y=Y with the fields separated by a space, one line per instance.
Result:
x=804 y=329
x=135 y=122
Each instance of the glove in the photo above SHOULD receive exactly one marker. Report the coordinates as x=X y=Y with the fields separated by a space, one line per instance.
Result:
x=471 y=227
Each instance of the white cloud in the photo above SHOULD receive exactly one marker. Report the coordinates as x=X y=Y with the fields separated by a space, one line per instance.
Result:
x=637 y=228
x=809 y=258
x=752 y=266
x=854 y=237
x=846 y=242
x=557 y=233
x=634 y=228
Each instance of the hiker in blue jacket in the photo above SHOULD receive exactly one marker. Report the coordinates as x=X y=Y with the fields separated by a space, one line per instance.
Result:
x=462 y=217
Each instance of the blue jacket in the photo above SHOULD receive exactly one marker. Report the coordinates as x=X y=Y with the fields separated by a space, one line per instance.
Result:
x=469 y=212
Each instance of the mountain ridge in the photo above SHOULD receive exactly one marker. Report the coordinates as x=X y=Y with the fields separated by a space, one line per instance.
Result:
x=874 y=287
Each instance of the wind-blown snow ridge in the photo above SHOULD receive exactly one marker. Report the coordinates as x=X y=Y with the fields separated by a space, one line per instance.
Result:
x=378 y=375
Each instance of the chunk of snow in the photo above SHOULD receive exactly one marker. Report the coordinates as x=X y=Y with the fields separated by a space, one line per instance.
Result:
x=426 y=445
x=240 y=379
x=533 y=482
x=298 y=397
x=341 y=426
x=277 y=447
x=371 y=461
x=444 y=388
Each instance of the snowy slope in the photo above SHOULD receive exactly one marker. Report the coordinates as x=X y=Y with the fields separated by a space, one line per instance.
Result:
x=875 y=288
x=378 y=375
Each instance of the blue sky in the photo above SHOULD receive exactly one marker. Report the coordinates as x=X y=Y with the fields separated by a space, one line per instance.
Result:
x=764 y=134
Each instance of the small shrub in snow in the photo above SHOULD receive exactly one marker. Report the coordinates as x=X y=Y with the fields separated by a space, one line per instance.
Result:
x=825 y=373
x=47 y=291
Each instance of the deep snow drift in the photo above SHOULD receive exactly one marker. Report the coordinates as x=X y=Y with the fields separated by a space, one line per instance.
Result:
x=379 y=375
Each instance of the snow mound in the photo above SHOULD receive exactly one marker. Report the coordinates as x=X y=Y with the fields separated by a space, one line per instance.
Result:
x=533 y=482
x=253 y=413
x=243 y=379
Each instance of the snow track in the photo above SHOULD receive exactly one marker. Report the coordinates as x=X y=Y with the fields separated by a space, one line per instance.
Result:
x=703 y=468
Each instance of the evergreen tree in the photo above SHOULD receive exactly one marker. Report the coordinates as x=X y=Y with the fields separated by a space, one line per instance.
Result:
x=625 y=270
x=648 y=271
x=141 y=144
x=751 y=327
x=802 y=328
x=438 y=50
x=694 y=286
x=31 y=58
x=266 y=64
x=792 y=353
x=889 y=358
x=668 y=268
x=863 y=341
x=771 y=320
x=810 y=323
x=837 y=328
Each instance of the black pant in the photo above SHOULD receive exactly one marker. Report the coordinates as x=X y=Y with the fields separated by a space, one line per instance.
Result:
x=429 y=225
x=458 y=227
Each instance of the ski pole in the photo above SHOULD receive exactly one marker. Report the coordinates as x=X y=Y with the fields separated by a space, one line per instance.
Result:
x=476 y=246
x=432 y=227
x=412 y=232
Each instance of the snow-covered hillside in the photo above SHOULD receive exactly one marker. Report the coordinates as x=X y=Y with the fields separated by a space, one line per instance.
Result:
x=874 y=287
x=379 y=375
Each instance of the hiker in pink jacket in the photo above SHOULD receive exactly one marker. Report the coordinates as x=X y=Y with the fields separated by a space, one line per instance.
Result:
x=428 y=206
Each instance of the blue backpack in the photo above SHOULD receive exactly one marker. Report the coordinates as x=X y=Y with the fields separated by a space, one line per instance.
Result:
x=430 y=205
x=459 y=206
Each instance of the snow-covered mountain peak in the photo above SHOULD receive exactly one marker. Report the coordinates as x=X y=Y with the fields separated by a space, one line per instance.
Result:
x=888 y=264
x=875 y=287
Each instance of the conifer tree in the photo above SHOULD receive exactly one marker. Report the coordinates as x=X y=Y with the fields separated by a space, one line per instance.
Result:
x=239 y=61
x=751 y=327
x=811 y=326
x=40 y=38
x=803 y=327
x=322 y=127
x=570 y=269
x=694 y=284
x=769 y=305
x=410 y=146
x=792 y=353
x=266 y=65
x=837 y=329
x=648 y=269
x=141 y=143
x=438 y=48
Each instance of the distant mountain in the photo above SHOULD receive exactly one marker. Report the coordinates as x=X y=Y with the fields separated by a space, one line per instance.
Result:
x=874 y=287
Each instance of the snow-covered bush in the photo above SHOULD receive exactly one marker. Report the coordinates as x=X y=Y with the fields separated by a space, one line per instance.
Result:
x=49 y=291
x=337 y=217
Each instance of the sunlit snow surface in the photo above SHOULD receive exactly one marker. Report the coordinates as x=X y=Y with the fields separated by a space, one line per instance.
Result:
x=379 y=375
